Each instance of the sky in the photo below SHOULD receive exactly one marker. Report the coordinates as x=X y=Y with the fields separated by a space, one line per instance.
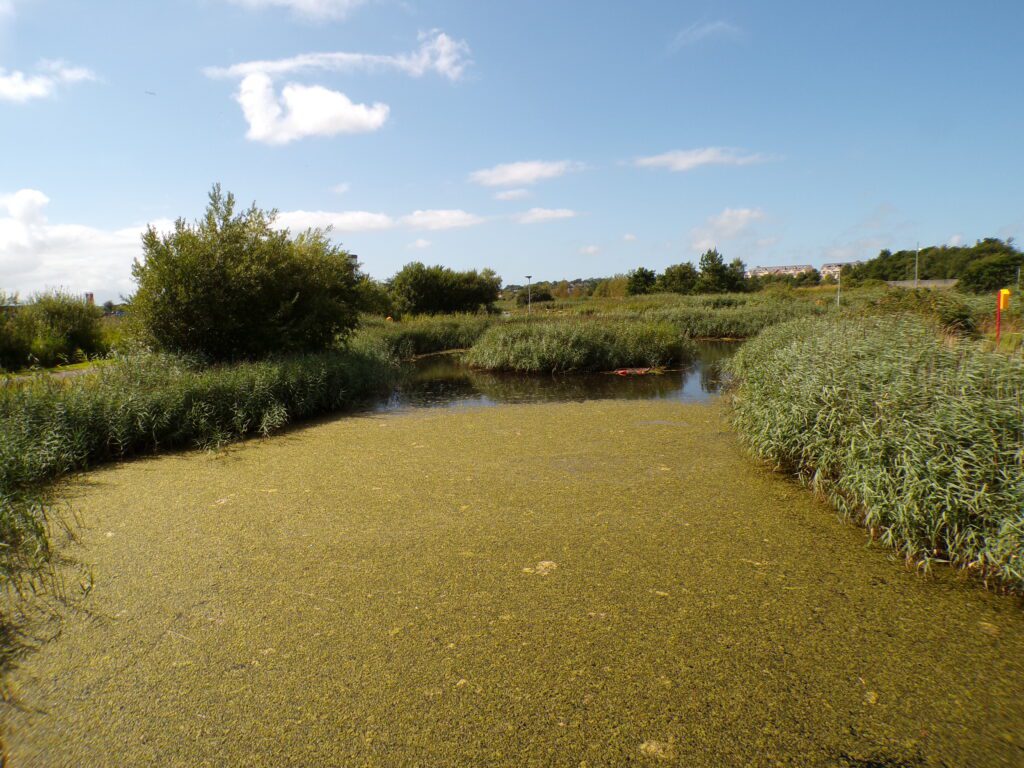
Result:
x=552 y=138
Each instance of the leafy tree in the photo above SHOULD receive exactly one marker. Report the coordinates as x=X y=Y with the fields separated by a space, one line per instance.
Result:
x=53 y=328
x=232 y=286
x=640 y=281
x=935 y=263
x=372 y=296
x=679 y=278
x=612 y=287
x=991 y=273
x=419 y=289
x=533 y=296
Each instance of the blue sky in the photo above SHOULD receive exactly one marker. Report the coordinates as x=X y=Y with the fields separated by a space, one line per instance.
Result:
x=558 y=139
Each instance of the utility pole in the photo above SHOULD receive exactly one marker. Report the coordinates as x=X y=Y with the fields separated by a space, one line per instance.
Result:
x=529 y=294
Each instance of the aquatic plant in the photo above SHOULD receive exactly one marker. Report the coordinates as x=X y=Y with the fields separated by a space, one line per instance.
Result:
x=916 y=434
x=578 y=345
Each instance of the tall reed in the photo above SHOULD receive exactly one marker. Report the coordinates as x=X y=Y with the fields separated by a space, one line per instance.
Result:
x=917 y=434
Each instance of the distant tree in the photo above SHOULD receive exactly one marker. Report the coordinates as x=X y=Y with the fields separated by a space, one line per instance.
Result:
x=736 y=276
x=612 y=287
x=233 y=286
x=679 y=278
x=533 y=296
x=945 y=262
x=640 y=281
x=991 y=273
x=714 y=275
x=108 y=307
x=419 y=289
x=372 y=296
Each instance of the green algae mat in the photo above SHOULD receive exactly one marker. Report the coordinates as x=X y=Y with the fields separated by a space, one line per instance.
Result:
x=595 y=584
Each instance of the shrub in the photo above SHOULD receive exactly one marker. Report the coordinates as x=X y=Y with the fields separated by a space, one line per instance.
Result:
x=589 y=345
x=53 y=328
x=917 y=436
x=538 y=296
x=231 y=286
x=421 y=290
x=991 y=273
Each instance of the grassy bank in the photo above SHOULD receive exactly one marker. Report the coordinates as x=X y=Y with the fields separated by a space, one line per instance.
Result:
x=49 y=427
x=422 y=335
x=580 y=345
x=916 y=434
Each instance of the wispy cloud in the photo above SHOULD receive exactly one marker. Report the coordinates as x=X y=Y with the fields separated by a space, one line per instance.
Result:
x=538 y=215
x=730 y=224
x=437 y=53
x=589 y=250
x=629 y=237
x=312 y=9
x=339 y=221
x=703 y=30
x=17 y=86
x=442 y=219
x=523 y=173
x=687 y=159
x=512 y=194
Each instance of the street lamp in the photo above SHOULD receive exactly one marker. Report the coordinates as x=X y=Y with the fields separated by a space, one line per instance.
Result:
x=529 y=294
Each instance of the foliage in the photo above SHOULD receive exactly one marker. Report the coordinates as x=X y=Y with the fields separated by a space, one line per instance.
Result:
x=425 y=334
x=49 y=426
x=917 y=436
x=953 y=314
x=372 y=297
x=533 y=296
x=577 y=345
x=421 y=290
x=679 y=278
x=718 y=277
x=991 y=273
x=231 y=286
x=53 y=328
x=936 y=263
x=640 y=281
x=612 y=287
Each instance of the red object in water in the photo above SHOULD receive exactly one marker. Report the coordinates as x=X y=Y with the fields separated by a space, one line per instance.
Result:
x=632 y=371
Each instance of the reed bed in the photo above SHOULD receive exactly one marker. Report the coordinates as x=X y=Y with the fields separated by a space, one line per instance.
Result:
x=49 y=427
x=424 y=334
x=559 y=346
x=916 y=434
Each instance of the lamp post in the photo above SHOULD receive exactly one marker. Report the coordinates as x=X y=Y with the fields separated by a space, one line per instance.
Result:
x=529 y=295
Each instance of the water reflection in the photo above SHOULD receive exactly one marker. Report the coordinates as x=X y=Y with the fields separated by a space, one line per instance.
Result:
x=443 y=382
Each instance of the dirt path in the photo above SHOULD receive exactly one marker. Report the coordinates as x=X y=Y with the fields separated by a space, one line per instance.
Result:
x=593 y=584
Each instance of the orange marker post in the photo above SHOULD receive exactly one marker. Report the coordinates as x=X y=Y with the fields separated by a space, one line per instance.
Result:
x=1002 y=302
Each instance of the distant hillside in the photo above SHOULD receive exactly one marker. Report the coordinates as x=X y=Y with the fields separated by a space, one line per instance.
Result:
x=989 y=263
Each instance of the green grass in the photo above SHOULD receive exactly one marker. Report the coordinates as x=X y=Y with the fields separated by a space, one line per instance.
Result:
x=916 y=434
x=425 y=334
x=552 y=346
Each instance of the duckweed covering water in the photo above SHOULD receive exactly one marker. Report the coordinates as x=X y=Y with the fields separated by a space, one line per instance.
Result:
x=603 y=583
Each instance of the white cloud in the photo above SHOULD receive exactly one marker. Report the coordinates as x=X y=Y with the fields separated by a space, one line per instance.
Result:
x=537 y=215
x=441 y=219
x=730 y=224
x=35 y=254
x=629 y=237
x=17 y=86
x=302 y=111
x=512 y=194
x=956 y=240
x=523 y=173
x=339 y=221
x=589 y=250
x=699 y=31
x=437 y=53
x=341 y=189
x=688 y=159
x=313 y=9
x=420 y=243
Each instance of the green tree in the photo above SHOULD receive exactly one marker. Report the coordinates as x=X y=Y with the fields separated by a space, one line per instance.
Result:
x=232 y=286
x=991 y=273
x=422 y=290
x=679 y=278
x=640 y=281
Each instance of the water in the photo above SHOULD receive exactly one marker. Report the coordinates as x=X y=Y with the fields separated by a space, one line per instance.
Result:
x=441 y=381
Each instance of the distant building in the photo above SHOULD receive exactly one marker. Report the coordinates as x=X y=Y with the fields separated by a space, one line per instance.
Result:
x=791 y=271
x=833 y=270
